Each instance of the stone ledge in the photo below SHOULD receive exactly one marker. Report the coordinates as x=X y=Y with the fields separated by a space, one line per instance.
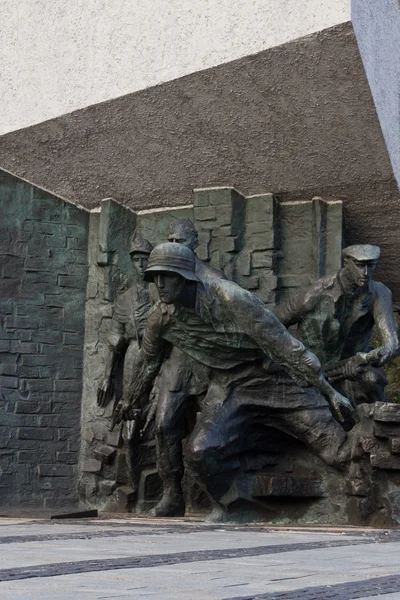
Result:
x=387 y=412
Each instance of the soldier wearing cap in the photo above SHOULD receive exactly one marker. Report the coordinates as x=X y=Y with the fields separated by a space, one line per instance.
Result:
x=180 y=380
x=336 y=317
x=128 y=322
x=253 y=364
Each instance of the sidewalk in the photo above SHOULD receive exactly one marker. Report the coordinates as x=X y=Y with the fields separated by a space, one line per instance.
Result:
x=176 y=559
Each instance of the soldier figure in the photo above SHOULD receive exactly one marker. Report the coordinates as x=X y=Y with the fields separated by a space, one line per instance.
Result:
x=125 y=336
x=250 y=357
x=183 y=232
x=336 y=317
x=180 y=379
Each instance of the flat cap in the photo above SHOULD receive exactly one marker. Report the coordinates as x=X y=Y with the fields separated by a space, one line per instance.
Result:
x=362 y=252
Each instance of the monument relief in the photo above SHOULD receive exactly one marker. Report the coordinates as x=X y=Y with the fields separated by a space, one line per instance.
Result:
x=336 y=318
x=259 y=373
x=219 y=404
x=125 y=338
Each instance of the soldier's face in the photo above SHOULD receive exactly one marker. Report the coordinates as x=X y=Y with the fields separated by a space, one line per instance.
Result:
x=169 y=286
x=180 y=236
x=139 y=261
x=361 y=271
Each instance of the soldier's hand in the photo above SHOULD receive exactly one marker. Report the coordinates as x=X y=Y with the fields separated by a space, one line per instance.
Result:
x=125 y=411
x=380 y=356
x=355 y=367
x=104 y=392
x=343 y=408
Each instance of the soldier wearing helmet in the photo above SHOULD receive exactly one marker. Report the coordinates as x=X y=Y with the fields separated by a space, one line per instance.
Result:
x=256 y=370
x=180 y=379
x=336 y=317
x=128 y=322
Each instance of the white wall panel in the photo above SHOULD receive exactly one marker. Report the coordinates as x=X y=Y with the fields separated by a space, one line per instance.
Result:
x=60 y=55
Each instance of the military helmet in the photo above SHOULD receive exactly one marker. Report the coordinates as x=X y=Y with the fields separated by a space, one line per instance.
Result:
x=174 y=258
x=139 y=244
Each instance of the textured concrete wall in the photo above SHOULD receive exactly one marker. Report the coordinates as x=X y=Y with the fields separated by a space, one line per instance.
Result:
x=377 y=27
x=59 y=56
x=294 y=117
x=298 y=120
x=43 y=258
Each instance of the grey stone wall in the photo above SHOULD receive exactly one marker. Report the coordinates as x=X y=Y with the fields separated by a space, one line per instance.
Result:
x=43 y=261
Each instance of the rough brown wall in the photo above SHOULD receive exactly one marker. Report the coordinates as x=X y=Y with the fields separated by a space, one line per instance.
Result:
x=292 y=117
x=297 y=120
x=371 y=215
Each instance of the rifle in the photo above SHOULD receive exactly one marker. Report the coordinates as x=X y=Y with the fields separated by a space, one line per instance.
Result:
x=337 y=371
x=118 y=414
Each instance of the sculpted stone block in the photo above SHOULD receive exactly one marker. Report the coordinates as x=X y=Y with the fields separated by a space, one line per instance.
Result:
x=382 y=459
x=387 y=412
x=105 y=454
x=260 y=208
x=203 y=213
x=387 y=430
x=267 y=485
x=124 y=497
x=92 y=465
x=394 y=445
x=106 y=487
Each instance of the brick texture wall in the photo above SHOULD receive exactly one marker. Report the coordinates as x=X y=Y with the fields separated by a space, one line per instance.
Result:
x=43 y=272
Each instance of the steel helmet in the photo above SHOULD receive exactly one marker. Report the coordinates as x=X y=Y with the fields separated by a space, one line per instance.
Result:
x=174 y=258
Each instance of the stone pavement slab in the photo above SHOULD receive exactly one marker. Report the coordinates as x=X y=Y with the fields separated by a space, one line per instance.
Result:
x=179 y=560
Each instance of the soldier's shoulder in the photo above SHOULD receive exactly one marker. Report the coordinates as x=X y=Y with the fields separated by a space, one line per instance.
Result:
x=206 y=271
x=230 y=292
x=328 y=282
x=126 y=294
x=123 y=305
x=380 y=289
x=324 y=287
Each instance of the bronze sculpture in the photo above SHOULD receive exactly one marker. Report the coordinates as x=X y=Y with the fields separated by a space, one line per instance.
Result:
x=180 y=379
x=253 y=363
x=125 y=336
x=336 y=317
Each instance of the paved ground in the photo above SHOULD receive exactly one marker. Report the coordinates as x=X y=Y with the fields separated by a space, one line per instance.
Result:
x=112 y=558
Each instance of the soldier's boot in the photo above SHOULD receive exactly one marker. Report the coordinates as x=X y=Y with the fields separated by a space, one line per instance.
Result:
x=171 y=504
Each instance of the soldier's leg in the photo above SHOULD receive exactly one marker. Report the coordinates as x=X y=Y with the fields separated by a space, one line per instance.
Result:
x=217 y=442
x=130 y=434
x=169 y=428
x=317 y=428
x=370 y=387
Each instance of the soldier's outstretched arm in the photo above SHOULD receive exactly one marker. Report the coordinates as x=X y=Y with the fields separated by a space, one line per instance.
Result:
x=116 y=347
x=293 y=309
x=259 y=323
x=146 y=366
